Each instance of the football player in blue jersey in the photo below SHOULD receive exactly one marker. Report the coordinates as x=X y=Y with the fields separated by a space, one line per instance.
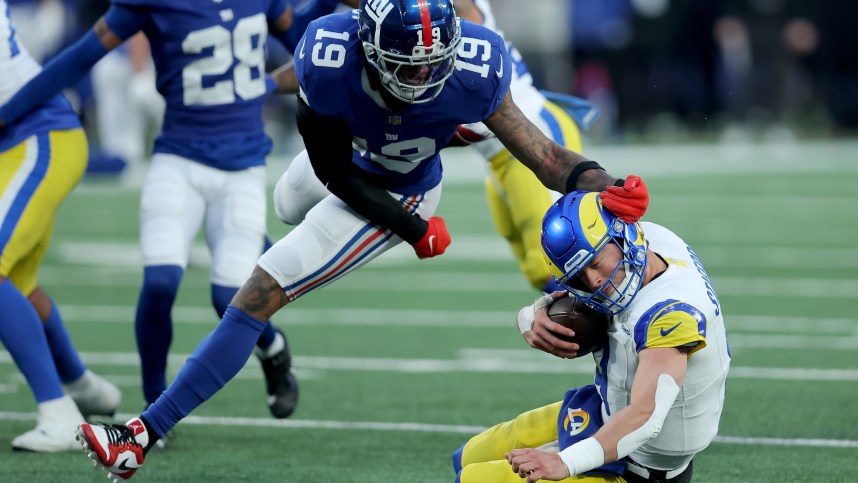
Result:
x=42 y=157
x=208 y=162
x=382 y=90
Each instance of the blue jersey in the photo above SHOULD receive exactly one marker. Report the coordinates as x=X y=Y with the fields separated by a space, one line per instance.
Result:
x=17 y=67
x=210 y=62
x=399 y=148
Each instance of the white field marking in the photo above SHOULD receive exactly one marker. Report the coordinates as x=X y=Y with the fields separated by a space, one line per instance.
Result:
x=373 y=281
x=469 y=248
x=423 y=428
x=470 y=361
x=736 y=324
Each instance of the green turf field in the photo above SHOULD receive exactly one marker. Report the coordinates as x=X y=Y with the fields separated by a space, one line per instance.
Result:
x=400 y=362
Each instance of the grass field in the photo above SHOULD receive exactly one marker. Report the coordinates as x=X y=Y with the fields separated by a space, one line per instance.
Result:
x=400 y=362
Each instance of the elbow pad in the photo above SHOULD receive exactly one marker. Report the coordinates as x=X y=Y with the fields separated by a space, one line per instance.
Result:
x=665 y=395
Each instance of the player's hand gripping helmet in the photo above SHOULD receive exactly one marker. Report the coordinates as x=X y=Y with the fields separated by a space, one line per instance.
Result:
x=575 y=229
x=411 y=43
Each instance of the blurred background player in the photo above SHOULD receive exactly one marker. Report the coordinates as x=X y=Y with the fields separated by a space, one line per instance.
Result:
x=374 y=120
x=208 y=162
x=517 y=200
x=660 y=379
x=42 y=157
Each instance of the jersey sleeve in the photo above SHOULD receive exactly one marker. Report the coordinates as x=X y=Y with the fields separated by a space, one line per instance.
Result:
x=671 y=323
x=484 y=68
x=125 y=19
x=322 y=61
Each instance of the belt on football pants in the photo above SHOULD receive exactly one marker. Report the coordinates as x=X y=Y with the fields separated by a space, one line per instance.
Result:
x=651 y=474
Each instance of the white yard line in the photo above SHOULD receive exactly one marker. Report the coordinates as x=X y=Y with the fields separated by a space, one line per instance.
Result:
x=426 y=428
x=828 y=332
x=507 y=361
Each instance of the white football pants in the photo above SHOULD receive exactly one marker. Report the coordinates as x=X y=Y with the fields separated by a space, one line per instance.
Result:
x=180 y=194
x=331 y=239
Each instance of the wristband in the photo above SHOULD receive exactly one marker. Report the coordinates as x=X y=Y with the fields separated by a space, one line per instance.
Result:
x=583 y=456
x=577 y=171
x=527 y=315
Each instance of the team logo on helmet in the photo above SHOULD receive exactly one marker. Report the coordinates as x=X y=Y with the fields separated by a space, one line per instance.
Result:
x=575 y=229
x=412 y=45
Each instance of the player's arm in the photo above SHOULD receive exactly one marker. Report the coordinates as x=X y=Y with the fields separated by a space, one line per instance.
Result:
x=469 y=11
x=561 y=169
x=659 y=376
x=557 y=167
x=74 y=62
x=283 y=79
x=289 y=27
x=329 y=144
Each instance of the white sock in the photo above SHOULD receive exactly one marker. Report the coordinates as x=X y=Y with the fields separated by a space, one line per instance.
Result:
x=277 y=345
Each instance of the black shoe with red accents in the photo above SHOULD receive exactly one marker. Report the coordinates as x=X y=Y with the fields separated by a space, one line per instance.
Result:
x=118 y=448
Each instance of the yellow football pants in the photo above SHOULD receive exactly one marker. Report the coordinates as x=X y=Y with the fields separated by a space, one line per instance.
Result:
x=483 y=455
x=35 y=177
x=518 y=200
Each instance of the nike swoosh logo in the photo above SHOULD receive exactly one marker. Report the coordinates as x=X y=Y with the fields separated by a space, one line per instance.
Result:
x=594 y=224
x=665 y=332
x=301 y=53
x=499 y=72
x=431 y=241
x=122 y=466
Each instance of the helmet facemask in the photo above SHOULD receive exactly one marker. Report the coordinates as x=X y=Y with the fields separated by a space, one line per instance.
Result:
x=571 y=239
x=410 y=70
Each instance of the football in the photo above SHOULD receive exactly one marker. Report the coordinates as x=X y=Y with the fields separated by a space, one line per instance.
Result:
x=591 y=327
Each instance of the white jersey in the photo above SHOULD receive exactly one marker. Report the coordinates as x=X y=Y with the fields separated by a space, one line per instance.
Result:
x=678 y=308
x=16 y=64
x=525 y=95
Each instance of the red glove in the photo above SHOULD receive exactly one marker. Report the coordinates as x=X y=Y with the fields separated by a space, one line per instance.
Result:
x=629 y=202
x=466 y=137
x=435 y=241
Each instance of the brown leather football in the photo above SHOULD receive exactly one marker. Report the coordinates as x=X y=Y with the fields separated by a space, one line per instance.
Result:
x=591 y=327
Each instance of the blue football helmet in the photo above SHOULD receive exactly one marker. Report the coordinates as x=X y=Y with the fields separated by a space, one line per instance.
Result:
x=411 y=43
x=575 y=229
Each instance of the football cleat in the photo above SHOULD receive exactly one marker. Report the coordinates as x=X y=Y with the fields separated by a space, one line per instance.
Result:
x=54 y=429
x=117 y=448
x=281 y=384
x=94 y=395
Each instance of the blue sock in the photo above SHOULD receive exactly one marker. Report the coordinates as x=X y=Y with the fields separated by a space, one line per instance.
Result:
x=22 y=333
x=457 y=459
x=214 y=362
x=222 y=296
x=154 y=326
x=66 y=359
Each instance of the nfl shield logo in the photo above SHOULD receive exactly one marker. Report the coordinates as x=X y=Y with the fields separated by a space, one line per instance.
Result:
x=394 y=120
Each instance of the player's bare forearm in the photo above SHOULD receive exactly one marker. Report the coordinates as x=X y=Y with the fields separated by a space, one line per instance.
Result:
x=551 y=162
x=284 y=76
x=654 y=362
x=108 y=39
x=260 y=296
x=468 y=10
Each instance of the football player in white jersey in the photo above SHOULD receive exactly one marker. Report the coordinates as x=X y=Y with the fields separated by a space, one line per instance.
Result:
x=660 y=378
x=42 y=157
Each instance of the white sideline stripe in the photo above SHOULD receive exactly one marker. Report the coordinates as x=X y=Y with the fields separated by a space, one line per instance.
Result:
x=425 y=428
x=374 y=281
x=511 y=361
x=119 y=314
